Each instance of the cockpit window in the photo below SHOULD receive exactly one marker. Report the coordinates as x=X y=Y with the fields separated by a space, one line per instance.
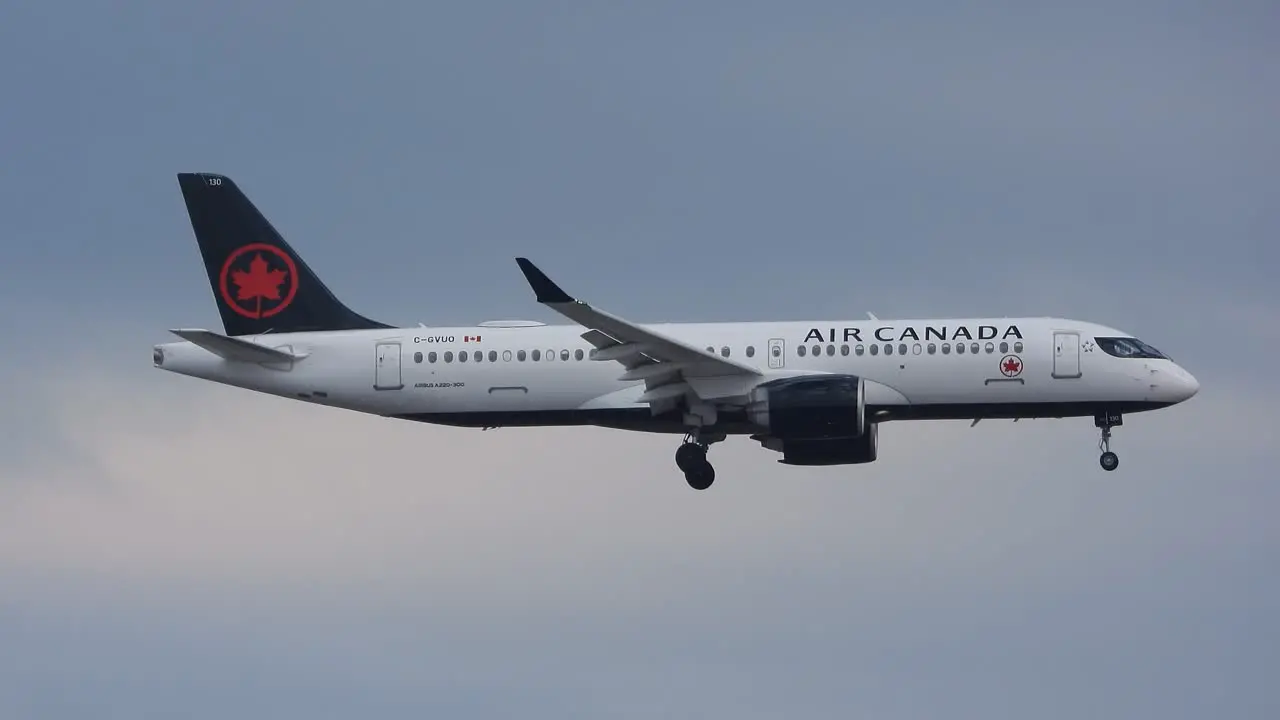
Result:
x=1129 y=348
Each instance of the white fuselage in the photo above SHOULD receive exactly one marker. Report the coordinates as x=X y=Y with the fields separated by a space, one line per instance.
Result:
x=814 y=391
x=538 y=374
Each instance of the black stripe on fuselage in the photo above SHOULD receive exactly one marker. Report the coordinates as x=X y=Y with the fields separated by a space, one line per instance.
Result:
x=642 y=420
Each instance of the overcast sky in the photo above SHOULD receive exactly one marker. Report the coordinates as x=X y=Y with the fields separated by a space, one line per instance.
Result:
x=169 y=548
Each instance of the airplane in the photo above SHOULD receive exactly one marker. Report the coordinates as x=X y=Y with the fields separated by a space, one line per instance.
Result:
x=814 y=391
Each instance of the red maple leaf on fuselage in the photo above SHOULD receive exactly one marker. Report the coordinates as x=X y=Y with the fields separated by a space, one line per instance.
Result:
x=258 y=281
x=1011 y=365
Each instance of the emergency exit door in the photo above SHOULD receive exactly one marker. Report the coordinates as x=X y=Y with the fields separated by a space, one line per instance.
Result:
x=777 y=353
x=387 y=372
x=1066 y=355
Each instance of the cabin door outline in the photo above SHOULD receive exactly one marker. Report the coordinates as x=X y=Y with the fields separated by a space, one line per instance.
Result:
x=387 y=371
x=1066 y=354
x=777 y=353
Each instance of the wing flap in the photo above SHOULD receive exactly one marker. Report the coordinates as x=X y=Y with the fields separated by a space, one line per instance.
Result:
x=669 y=391
x=650 y=371
x=722 y=388
x=621 y=351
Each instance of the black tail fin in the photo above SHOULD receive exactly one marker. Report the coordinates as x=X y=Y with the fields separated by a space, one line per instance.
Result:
x=259 y=282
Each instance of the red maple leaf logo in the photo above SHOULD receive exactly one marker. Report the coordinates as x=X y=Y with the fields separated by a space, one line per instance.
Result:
x=258 y=282
x=1011 y=366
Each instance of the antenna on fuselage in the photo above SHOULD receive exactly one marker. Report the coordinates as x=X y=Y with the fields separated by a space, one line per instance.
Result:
x=873 y=316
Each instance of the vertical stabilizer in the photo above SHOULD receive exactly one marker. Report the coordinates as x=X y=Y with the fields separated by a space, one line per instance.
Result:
x=259 y=282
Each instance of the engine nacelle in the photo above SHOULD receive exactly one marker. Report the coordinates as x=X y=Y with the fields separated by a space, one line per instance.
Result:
x=814 y=407
x=841 y=451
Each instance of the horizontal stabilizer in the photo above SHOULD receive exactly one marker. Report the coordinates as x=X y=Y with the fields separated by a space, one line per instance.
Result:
x=235 y=349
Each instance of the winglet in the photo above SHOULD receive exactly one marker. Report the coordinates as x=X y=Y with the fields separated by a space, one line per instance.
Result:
x=544 y=288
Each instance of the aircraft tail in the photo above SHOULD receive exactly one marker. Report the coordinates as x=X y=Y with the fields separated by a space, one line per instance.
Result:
x=259 y=283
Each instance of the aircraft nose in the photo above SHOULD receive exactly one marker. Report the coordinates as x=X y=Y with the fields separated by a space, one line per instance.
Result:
x=1187 y=384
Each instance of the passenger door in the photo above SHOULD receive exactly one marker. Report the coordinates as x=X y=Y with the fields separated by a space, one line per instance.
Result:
x=1066 y=354
x=387 y=371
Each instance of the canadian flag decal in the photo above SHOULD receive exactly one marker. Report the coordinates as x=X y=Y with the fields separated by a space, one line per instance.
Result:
x=471 y=338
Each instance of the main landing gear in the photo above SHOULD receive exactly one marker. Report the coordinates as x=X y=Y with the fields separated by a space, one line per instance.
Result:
x=1109 y=460
x=691 y=458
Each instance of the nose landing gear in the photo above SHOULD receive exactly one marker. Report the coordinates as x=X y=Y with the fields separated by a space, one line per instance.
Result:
x=1109 y=460
x=691 y=458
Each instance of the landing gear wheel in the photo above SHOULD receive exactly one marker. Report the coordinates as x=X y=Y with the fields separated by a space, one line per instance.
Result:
x=1105 y=421
x=689 y=456
x=1109 y=461
x=700 y=476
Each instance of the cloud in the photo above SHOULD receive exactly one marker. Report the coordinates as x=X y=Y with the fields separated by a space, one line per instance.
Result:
x=200 y=486
x=206 y=542
x=172 y=548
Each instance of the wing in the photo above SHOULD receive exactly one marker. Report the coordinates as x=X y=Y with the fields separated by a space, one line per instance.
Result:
x=670 y=368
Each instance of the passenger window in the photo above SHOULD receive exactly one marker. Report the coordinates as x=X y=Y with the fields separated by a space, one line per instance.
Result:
x=946 y=348
x=875 y=349
x=844 y=349
x=448 y=356
x=858 y=350
x=478 y=356
x=902 y=348
x=802 y=349
x=417 y=357
x=959 y=348
x=991 y=347
x=724 y=351
x=520 y=355
x=549 y=356
x=933 y=348
x=1017 y=346
x=751 y=351
x=564 y=354
x=973 y=348
x=493 y=356
x=915 y=349
x=831 y=351
x=817 y=350
x=431 y=357
x=1004 y=347
x=888 y=349
x=577 y=354
x=536 y=355
x=506 y=356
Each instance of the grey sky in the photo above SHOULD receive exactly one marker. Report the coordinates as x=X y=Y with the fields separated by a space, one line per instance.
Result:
x=169 y=548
